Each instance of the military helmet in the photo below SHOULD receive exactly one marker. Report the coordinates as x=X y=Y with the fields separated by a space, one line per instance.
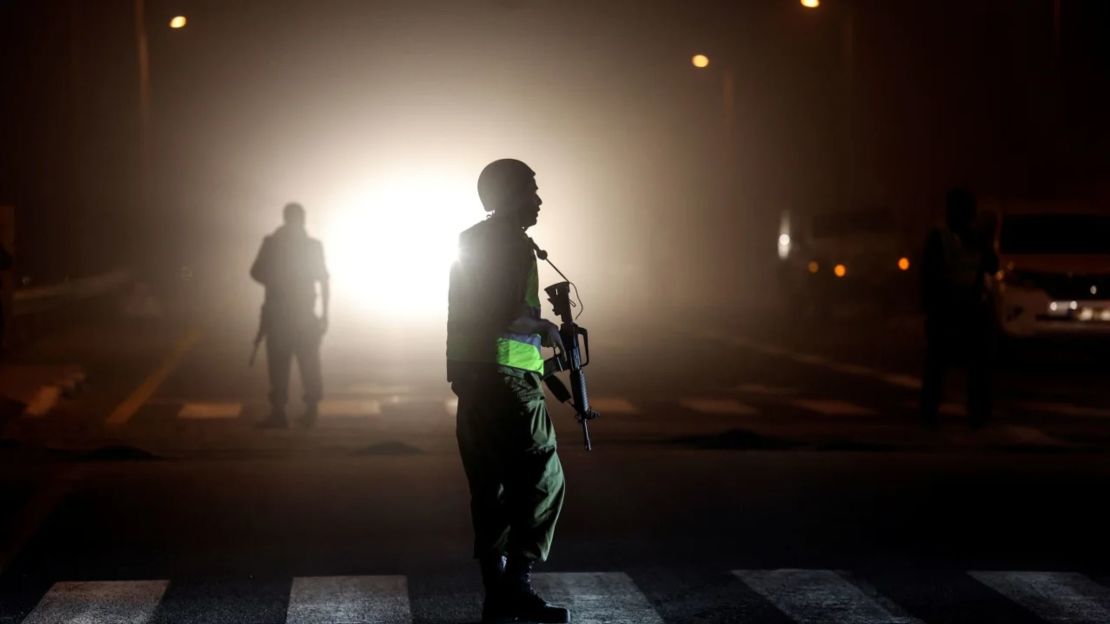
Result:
x=501 y=178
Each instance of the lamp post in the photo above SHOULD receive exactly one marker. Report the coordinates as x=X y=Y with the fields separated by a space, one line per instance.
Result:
x=142 y=49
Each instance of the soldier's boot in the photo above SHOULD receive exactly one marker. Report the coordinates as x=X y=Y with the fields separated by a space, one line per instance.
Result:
x=521 y=601
x=493 y=607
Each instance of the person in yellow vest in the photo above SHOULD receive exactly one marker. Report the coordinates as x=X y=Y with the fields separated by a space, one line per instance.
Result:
x=494 y=365
x=958 y=263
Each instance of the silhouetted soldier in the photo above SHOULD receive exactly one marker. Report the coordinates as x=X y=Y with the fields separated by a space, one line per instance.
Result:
x=290 y=265
x=507 y=443
x=959 y=325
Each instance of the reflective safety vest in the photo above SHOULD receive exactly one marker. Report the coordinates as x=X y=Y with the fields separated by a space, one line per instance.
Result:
x=472 y=336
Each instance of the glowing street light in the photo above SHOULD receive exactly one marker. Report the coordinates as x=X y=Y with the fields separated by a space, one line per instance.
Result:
x=840 y=270
x=178 y=22
x=700 y=61
x=811 y=4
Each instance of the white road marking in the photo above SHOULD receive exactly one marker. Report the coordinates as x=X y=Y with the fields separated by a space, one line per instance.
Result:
x=718 y=406
x=818 y=597
x=1064 y=409
x=832 y=407
x=902 y=381
x=44 y=400
x=349 y=600
x=349 y=408
x=106 y=602
x=210 y=411
x=126 y=410
x=597 y=597
x=613 y=405
x=1052 y=596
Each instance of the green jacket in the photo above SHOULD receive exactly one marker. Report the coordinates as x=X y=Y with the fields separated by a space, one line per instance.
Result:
x=494 y=282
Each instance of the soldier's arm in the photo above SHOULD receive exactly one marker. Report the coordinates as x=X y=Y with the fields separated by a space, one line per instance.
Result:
x=260 y=268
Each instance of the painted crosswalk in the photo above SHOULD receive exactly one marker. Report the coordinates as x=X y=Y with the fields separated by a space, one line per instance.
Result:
x=1056 y=597
x=349 y=600
x=740 y=402
x=210 y=410
x=598 y=597
x=805 y=596
x=106 y=602
x=818 y=596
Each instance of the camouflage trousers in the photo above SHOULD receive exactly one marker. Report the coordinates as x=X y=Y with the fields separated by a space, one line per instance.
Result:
x=508 y=450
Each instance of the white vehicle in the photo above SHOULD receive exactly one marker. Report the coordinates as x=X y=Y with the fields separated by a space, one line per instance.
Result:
x=844 y=258
x=1055 y=270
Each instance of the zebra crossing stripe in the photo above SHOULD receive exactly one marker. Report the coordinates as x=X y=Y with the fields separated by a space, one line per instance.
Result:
x=1053 y=596
x=103 y=602
x=818 y=597
x=349 y=408
x=349 y=600
x=718 y=406
x=597 y=597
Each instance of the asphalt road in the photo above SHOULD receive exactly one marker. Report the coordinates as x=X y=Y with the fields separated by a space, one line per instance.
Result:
x=745 y=469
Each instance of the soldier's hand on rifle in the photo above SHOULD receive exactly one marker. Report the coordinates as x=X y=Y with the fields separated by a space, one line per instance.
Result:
x=548 y=331
x=550 y=336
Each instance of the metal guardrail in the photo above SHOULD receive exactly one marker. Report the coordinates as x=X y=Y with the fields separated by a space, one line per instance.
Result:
x=40 y=298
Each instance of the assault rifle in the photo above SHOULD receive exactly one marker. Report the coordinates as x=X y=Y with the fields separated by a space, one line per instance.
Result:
x=263 y=331
x=570 y=357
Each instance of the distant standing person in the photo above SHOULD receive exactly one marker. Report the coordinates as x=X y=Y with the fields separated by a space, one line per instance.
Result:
x=959 y=315
x=290 y=264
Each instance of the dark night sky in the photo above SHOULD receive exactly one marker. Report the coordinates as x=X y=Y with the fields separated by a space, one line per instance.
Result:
x=259 y=100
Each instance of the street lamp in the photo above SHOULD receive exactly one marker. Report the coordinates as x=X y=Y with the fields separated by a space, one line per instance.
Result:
x=700 y=61
x=811 y=4
x=178 y=22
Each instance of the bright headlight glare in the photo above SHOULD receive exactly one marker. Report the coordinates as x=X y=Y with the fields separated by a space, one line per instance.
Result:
x=390 y=250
